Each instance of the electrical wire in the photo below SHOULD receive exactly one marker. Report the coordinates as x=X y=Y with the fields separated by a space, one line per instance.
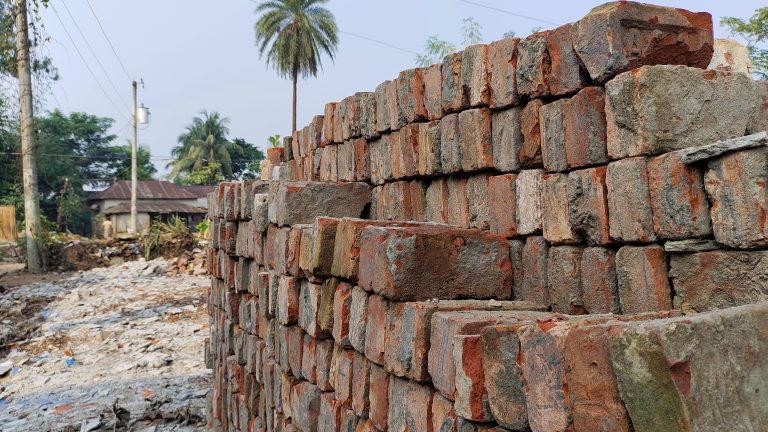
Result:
x=509 y=12
x=103 y=32
x=88 y=67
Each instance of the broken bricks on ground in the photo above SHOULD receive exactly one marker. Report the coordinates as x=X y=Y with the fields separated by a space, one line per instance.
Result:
x=561 y=232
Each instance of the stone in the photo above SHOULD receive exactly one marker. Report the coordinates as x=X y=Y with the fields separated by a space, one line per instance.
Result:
x=599 y=284
x=666 y=385
x=736 y=187
x=718 y=279
x=402 y=263
x=556 y=224
x=588 y=205
x=621 y=36
x=410 y=97
x=553 y=150
x=759 y=122
x=479 y=204
x=730 y=56
x=564 y=279
x=533 y=65
x=530 y=155
x=658 y=109
x=301 y=202
x=534 y=282
x=528 y=187
x=454 y=95
x=433 y=91
x=501 y=192
x=475 y=144
x=585 y=128
x=450 y=147
x=429 y=162
x=702 y=153
x=642 y=279
x=690 y=246
x=506 y=139
x=502 y=62
x=680 y=206
x=409 y=406
x=474 y=75
x=503 y=377
x=564 y=74
x=630 y=216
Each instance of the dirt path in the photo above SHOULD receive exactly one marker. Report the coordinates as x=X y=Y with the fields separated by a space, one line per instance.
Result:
x=113 y=348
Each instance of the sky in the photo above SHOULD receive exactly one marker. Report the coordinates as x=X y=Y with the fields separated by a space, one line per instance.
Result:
x=195 y=55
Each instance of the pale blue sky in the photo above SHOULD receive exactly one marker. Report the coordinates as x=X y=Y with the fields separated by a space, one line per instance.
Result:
x=196 y=54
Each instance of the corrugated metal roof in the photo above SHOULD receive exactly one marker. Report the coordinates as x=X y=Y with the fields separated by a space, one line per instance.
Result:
x=161 y=207
x=199 y=191
x=146 y=189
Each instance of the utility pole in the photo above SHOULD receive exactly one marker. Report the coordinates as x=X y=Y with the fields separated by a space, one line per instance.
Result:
x=35 y=249
x=134 y=175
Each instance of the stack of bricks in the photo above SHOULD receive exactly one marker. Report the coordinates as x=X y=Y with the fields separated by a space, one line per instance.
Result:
x=531 y=235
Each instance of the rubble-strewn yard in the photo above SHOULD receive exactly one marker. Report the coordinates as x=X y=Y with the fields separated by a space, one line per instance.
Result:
x=114 y=348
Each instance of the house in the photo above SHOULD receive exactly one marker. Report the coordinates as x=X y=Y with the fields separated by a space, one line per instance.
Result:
x=154 y=200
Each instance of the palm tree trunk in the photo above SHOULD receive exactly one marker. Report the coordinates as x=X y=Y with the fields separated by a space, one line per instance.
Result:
x=293 y=125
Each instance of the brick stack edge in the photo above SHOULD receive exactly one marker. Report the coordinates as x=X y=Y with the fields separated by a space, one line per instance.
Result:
x=514 y=239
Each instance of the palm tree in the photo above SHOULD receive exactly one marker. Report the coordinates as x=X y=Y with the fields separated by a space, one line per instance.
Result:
x=204 y=144
x=298 y=31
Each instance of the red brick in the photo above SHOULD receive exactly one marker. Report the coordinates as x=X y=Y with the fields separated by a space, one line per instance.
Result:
x=565 y=74
x=629 y=202
x=555 y=211
x=475 y=74
x=409 y=406
x=309 y=359
x=407 y=158
x=507 y=140
x=295 y=345
x=324 y=355
x=433 y=91
x=362 y=160
x=288 y=300
x=450 y=146
x=530 y=155
x=588 y=205
x=585 y=128
x=680 y=207
x=361 y=369
x=379 y=397
x=475 y=139
x=564 y=279
x=455 y=97
x=471 y=396
x=328 y=123
x=598 y=280
x=457 y=204
x=429 y=148
x=437 y=201
x=342 y=383
x=458 y=249
x=501 y=193
x=642 y=279
x=528 y=186
x=375 y=329
x=502 y=61
x=346 y=248
x=533 y=66
x=503 y=376
x=410 y=97
x=341 y=305
x=534 y=285
x=322 y=246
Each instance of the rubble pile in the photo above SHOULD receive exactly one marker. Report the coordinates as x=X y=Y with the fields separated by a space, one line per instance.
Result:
x=564 y=232
x=115 y=348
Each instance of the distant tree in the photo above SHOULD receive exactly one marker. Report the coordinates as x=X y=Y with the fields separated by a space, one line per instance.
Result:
x=206 y=175
x=755 y=32
x=509 y=34
x=435 y=50
x=247 y=166
x=293 y=34
x=472 y=32
x=121 y=164
x=536 y=29
x=204 y=144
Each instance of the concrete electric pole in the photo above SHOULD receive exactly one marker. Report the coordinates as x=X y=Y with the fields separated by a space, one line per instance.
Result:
x=35 y=249
x=134 y=175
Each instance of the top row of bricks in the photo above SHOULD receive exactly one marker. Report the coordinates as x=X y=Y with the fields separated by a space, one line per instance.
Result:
x=613 y=38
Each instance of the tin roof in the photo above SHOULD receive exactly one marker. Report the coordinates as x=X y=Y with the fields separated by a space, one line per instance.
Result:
x=146 y=189
x=161 y=207
x=199 y=191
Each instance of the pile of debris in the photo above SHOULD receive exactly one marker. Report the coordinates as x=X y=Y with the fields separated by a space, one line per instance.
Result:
x=75 y=253
x=190 y=262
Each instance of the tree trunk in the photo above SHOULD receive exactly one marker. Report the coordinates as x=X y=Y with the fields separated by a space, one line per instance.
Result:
x=35 y=248
x=293 y=125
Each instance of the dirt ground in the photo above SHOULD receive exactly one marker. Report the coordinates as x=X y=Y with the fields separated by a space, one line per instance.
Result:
x=117 y=348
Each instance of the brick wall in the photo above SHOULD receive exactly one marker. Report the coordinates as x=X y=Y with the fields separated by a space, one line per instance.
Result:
x=565 y=232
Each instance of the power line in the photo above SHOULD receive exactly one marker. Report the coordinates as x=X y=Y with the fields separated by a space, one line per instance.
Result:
x=79 y=53
x=508 y=12
x=73 y=156
x=114 y=51
x=90 y=48
x=378 y=42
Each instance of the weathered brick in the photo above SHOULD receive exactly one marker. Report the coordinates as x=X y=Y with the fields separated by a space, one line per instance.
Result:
x=382 y=107
x=471 y=396
x=564 y=279
x=479 y=204
x=375 y=329
x=516 y=257
x=309 y=359
x=301 y=202
x=425 y=249
x=288 y=300
x=759 y=121
x=680 y=207
x=502 y=61
x=457 y=203
x=358 y=318
x=475 y=139
x=454 y=96
x=381 y=160
x=361 y=371
x=532 y=66
x=622 y=36
x=584 y=127
x=564 y=73
x=429 y=148
x=437 y=201
x=528 y=188
x=295 y=345
x=503 y=376
x=736 y=186
x=417 y=191
x=647 y=109
x=346 y=247
x=598 y=280
x=554 y=210
x=409 y=406
x=329 y=419
x=450 y=147
x=367 y=119
x=534 y=283
x=328 y=123
x=397 y=201
x=507 y=139
x=443 y=416
x=530 y=155
x=503 y=204
x=343 y=379
x=588 y=205
x=629 y=202
x=339 y=113
x=642 y=279
x=718 y=279
x=323 y=356
x=341 y=304
x=345 y=157
x=433 y=89
x=378 y=397
x=362 y=158
x=410 y=97
x=474 y=75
